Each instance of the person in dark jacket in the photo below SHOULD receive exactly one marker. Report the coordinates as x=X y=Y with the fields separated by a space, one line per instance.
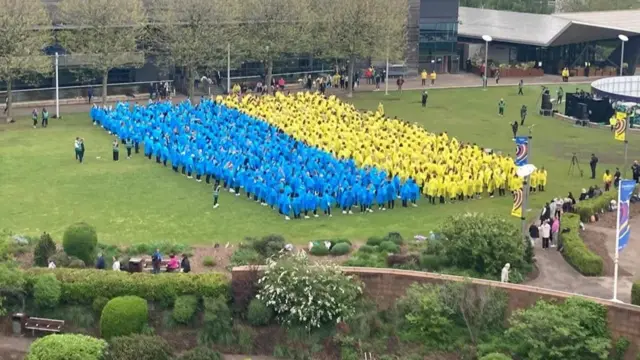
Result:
x=100 y=265
x=184 y=264
x=534 y=234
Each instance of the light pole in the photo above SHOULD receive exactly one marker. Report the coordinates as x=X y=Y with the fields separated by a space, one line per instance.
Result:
x=57 y=88
x=624 y=39
x=487 y=39
x=228 y=68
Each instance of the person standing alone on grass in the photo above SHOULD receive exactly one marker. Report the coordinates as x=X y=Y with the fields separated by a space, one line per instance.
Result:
x=81 y=155
x=607 y=178
x=514 y=129
x=216 y=193
x=423 y=76
x=129 y=146
x=34 y=117
x=76 y=147
x=523 y=114
x=425 y=96
x=45 y=118
x=116 y=150
x=433 y=77
x=592 y=164
x=520 y=87
x=501 y=105
x=559 y=95
x=400 y=82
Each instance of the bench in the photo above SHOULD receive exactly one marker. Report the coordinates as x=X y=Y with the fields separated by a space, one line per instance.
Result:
x=46 y=325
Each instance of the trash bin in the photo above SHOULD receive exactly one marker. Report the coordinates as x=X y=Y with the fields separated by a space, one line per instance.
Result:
x=17 y=322
x=135 y=265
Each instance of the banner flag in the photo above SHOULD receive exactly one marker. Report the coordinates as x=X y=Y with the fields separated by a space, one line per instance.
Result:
x=625 y=191
x=621 y=126
x=516 y=210
x=522 y=150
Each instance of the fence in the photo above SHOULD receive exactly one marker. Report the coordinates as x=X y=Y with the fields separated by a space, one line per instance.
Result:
x=621 y=88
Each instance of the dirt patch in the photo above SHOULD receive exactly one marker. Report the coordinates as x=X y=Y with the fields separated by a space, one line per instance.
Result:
x=221 y=256
x=597 y=242
x=608 y=219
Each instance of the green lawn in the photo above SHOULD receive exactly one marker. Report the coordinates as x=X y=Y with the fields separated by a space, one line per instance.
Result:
x=43 y=189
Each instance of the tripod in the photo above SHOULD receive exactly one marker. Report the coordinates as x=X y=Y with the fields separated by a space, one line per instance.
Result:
x=575 y=164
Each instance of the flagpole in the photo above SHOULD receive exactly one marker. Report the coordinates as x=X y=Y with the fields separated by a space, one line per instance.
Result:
x=386 y=77
x=615 y=261
x=228 y=68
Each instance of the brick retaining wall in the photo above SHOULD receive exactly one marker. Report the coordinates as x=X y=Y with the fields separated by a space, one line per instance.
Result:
x=385 y=286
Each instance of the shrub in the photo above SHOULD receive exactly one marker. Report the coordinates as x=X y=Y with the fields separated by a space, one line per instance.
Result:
x=76 y=263
x=346 y=241
x=340 y=249
x=45 y=248
x=576 y=252
x=319 y=249
x=374 y=260
x=184 y=308
x=389 y=247
x=620 y=349
x=12 y=283
x=80 y=240
x=374 y=241
x=309 y=296
x=82 y=286
x=483 y=243
x=99 y=304
x=395 y=237
x=245 y=255
x=46 y=291
x=61 y=259
x=200 y=353
x=434 y=263
x=259 y=314
x=208 y=261
x=67 y=347
x=139 y=347
x=367 y=249
x=635 y=293
x=587 y=208
x=123 y=316
x=217 y=326
x=495 y=356
x=269 y=245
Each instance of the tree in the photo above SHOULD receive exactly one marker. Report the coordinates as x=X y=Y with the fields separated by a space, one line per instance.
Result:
x=12 y=283
x=597 y=5
x=24 y=33
x=194 y=34
x=271 y=28
x=364 y=28
x=103 y=33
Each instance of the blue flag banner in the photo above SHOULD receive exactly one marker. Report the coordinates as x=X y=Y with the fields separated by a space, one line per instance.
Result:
x=624 y=196
x=522 y=150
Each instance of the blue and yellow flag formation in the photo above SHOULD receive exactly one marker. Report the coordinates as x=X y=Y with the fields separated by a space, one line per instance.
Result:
x=522 y=150
x=516 y=210
x=624 y=197
x=621 y=126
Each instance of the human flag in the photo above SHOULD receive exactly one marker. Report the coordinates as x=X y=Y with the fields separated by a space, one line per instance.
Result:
x=516 y=210
x=522 y=150
x=621 y=126
x=624 y=196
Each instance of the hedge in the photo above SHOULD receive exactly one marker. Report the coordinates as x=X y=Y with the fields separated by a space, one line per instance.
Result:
x=46 y=291
x=589 y=207
x=123 y=316
x=82 y=286
x=575 y=251
x=67 y=347
x=139 y=347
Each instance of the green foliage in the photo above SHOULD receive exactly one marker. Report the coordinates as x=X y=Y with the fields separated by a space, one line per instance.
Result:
x=635 y=293
x=374 y=241
x=364 y=259
x=12 y=284
x=200 y=353
x=245 y=337
x=346 y=241
x=348 y=353
x=495 y=356
x=269 y=245
x=82 y=286
x=245 y=255
x=208 y=261
x=76 y=264
x=47 y=291
x=587 y=208
x=67 y=347
x=389 y=247
x=368 y=249
x=166 y=247
x=139 y=347
x=620 y=348
x=80 y=240
x=340 y=249
x=433 y=263
x=483 y=243
x=61 y=259
x=259 y=314
x=395 y=237
x=45 y=247
x=123 y=316
x=184 y=309
x=99 y=304
x=575 y=329
x=217 y=327
x=319 y=249
x=308 y=296
x=576 y=252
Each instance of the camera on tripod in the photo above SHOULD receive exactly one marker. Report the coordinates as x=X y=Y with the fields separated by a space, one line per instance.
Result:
x=575 y=164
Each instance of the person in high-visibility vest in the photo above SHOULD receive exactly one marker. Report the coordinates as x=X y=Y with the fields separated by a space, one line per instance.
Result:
x=433 y=77
x=612 y=122
x=424 y=75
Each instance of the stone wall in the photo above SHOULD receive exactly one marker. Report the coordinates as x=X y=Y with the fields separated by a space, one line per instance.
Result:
x=385 y=286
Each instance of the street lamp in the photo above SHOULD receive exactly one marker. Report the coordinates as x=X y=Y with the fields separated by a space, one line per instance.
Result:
x=487 y=39
x=624 y=39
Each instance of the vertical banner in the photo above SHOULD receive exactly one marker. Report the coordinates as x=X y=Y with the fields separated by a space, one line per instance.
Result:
x=626 y=190
x=516 y=210
x=522 y=150
x=621 y=126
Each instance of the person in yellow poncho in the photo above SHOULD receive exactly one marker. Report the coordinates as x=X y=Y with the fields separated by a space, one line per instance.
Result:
x=423 y=76
x=607 y=179
x=433 y=77
x=542 y=179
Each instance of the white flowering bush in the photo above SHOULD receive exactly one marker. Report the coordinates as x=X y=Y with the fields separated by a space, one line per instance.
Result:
x=308 y=295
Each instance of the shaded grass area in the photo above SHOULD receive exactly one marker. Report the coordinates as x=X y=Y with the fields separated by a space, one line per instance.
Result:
x=43 y=189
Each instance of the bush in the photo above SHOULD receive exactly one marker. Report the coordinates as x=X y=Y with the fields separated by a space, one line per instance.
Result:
x=123 y=316
x=576 y=252
x=80 y=240
x=340 y=249
x=368 y=249
x=389 y=247
x=259 y=314
x=319 y=249
x=67 y=347
x=268 y=246
x=200 y=353
x=99 y=304
x=76 y=263
x=374 y=241
x=587 y=208
x=46 y=291
x=483 y=243
x=308 y=296
x=495 y=356
x=45 y=248
x=208 y=261
x=61 y=259
x=374 y=260
x=620 y=349
x=82 y=286
x=217 y=325
x=139 y=347
x=245 y=255
x=346 y=241
x=635 y=293
x=434 y=263
x=395 y=237
x=12 y=284
x=184 y=309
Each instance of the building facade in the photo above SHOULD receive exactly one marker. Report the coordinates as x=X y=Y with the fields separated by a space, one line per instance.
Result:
x=433 y=35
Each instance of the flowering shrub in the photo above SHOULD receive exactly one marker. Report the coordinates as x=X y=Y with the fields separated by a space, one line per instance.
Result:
x=308 y=295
